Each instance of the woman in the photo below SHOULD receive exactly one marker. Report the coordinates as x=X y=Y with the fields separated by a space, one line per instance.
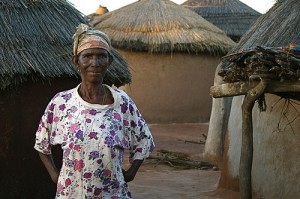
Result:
x=94 y=124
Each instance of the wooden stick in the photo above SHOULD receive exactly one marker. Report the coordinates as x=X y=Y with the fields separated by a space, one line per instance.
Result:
x=194 y=142
x=241 y=88
x=192 y=163
x=237 y=53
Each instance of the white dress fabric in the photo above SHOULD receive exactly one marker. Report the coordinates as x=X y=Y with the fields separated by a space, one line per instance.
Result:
x=93 y=138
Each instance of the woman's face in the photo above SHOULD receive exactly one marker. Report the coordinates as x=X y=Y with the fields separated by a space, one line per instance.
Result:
x=93 y=64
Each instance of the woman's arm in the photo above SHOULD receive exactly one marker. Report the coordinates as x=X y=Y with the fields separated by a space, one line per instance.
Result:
x=131 y=172
x=50 y=166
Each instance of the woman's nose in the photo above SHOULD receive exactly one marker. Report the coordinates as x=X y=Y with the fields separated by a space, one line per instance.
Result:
x=96 y=61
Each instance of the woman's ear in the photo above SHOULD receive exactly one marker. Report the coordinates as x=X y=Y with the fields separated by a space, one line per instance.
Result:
x=111 y=59
x=75 y=60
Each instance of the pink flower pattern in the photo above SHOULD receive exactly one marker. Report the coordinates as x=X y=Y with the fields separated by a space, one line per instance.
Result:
x=67 y=182
x=78 y=165
x=91 y=137
x=74 y=127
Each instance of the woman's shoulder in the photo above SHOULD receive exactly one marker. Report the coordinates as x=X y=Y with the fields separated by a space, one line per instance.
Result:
x=120 y=93
x=65 y=95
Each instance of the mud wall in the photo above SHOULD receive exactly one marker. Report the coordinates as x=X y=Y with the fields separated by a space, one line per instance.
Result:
x=22 y=173
x=171 y=88
x=276 y=155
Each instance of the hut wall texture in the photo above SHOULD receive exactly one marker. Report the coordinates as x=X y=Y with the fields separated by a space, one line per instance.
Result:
x=22 y=172
x=171 y=88
x=276 y=155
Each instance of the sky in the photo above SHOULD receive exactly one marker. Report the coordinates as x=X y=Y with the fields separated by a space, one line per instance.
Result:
x=90 y=6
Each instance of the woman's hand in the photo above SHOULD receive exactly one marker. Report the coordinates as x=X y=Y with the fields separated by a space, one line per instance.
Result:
x=131 y=172
x=128 y=176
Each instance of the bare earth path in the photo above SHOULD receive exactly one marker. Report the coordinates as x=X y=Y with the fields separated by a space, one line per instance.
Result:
x=165 y=182
x=157 y=180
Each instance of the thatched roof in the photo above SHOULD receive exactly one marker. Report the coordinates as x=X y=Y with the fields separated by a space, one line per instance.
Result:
x=279 y=27
x=161 y=26
x=36 y=42
x=232 y=16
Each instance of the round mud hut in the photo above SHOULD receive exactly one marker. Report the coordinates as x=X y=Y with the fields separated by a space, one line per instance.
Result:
x=172 y=53
x=232 y=16
x=35 y=64
x=276 y=138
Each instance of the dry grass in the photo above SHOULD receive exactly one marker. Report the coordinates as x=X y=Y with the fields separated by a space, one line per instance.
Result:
x=231 y=16
x=36 y=42
x=162 y=26
x=280 y=26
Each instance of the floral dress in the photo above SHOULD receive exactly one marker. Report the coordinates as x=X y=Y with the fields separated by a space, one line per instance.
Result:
x=93 y=138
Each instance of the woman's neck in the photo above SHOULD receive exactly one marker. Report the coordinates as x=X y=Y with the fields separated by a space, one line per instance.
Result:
x=93 y=93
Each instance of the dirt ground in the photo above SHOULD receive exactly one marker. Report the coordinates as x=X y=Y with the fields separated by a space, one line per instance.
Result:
x=159 y=178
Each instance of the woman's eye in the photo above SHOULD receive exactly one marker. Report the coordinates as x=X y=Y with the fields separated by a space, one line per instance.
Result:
x=103 y=56
x=86 y=56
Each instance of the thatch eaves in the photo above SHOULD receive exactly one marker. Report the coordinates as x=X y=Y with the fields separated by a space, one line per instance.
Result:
x=232 y=16
x=162 y=26
x=36 y=42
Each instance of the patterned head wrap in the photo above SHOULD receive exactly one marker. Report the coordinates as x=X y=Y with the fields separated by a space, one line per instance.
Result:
x=86 y=37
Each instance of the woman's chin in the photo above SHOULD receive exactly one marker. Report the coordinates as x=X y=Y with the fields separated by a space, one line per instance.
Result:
x=95 y=78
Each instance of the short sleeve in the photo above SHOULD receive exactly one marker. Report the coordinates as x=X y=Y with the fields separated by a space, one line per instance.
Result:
x=45 y=135
x=140 y=138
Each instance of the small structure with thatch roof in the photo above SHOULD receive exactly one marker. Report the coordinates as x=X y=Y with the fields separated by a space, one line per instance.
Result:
x=261 y=151
x=35 y=64
x=172 y=53
x=232 y=16
x=101 y=10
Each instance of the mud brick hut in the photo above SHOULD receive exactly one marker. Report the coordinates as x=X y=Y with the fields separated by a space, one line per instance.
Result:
x=276 y=152
x=232 y=16
x=35 y=63
x=172 y=53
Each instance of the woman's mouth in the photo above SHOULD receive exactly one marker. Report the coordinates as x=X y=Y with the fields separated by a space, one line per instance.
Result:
x=95 y=72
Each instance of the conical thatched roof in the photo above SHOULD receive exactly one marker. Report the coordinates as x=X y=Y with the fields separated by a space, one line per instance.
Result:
x=231 y=16
x=161 y=26
x=280 y=26
x=36 y=42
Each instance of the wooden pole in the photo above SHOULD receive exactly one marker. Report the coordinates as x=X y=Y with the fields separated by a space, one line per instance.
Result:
x=247 y=139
